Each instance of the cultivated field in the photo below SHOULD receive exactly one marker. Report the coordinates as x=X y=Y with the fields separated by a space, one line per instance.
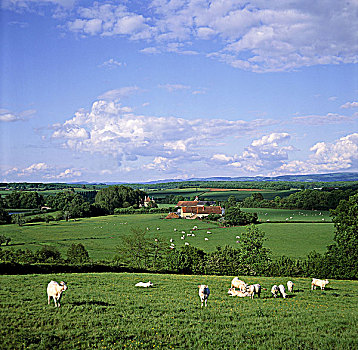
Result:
x=101 y=235
x=218 y=194
x=106 y=311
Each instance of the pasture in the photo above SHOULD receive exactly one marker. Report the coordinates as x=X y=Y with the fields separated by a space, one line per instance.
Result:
x=106 y=311
x=101 y=235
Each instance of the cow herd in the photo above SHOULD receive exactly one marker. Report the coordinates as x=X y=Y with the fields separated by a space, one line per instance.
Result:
x=238 y=288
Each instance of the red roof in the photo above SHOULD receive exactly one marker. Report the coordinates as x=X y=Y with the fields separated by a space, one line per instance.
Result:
x=202 y=210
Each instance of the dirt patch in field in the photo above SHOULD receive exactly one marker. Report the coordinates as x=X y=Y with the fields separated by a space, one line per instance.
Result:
x=233 y=189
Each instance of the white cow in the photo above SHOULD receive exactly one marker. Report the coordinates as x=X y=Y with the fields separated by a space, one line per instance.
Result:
x=54 y=290
x=144 y=284
x=274 y=291
x=204 y=293
x=290 y=285
x=282 y=290
x=319 y=283
x=254 y=289
x=237 y=283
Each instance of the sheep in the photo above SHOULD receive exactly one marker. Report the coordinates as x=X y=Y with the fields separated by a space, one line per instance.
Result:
x=274 y=291
x=55 y=290
x=318 y=283
x=204 y=293
x=236 y=283
x=144 y=284
x=208 y=232
x=238 y=293
x=290 y=285
x=254 y=289
x=281 y=288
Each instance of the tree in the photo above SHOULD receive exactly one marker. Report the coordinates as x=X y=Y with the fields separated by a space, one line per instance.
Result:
x=5 y=218
x=48 y=254
x=77 y=254
x=140 y=252
x=114 y=197
x=253 y=253
x=343 y=255
x=235 y=216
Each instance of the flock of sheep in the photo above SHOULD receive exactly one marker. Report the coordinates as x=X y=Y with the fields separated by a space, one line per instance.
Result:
x=238 y=288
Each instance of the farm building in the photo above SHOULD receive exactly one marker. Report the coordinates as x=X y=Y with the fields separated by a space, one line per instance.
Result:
x=172 y=216
x=197 y=209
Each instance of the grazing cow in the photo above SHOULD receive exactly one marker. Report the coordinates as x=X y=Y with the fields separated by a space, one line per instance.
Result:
x=144 y=284
x=238 y=293
x=237 y=283
x=290 y=285
x=274 y=291
x=254 y=289
x=319 y=283
x=54 y=290
x=204 y=293
x=281 y=288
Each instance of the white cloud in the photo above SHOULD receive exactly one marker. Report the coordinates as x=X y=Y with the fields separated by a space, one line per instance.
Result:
x=112 y=63
x=330 y=118
x=175 y=87
x=118 y=93
x=44 y=171
x=7 y=116
x=327 y=157
x=111 y=129
x=350 y=105
x=260 y=36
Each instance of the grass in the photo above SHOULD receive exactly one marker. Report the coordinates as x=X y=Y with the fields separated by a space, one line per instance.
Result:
x=106 y=311
x=101 y=235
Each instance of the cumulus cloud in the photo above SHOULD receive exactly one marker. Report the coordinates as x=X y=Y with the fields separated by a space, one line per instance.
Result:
x=259 y=36
x=350 y=105
x=112 y=129
x=41 y=171
x=326 y=157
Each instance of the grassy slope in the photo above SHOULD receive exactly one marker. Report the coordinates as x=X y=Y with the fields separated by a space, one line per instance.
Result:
x=102 y=234
x=106 y=311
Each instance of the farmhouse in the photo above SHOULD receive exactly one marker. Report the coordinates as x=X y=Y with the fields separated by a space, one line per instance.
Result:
x=148 y=202
x=196 y=209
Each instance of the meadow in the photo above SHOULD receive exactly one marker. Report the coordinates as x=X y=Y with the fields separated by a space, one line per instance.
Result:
x=106 y=311
x=101 y=235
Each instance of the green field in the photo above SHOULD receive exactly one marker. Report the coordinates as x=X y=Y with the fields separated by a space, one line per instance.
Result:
x=219 y=196
x=290 y=215
x=101 y=235
x=106 y=311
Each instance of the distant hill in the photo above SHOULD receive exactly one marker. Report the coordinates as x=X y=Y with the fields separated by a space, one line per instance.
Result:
x=330 y=177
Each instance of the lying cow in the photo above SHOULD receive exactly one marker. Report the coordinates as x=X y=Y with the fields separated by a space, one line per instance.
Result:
x=55 y=290
x=144 y=284
x=204 y=293
x=238 y=293
x=318 y=283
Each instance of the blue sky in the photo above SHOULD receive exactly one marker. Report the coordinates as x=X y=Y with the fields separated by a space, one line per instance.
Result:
x=146 y=90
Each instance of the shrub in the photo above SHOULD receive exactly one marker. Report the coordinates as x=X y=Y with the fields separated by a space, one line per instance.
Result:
x=77 y=254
